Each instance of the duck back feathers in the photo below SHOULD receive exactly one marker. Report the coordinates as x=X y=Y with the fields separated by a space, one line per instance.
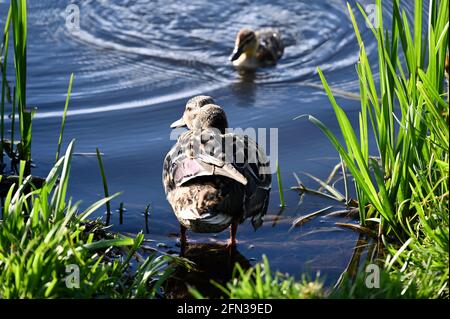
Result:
x=271 y=46
x=209 y=191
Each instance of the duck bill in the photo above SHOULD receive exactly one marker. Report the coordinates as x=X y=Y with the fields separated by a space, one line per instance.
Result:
x=236 y=54
x=179 y=123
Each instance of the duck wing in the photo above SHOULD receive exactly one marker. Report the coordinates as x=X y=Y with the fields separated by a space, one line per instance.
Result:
x=271 y=47
x=255 y=166
x=192 y=157
x=248 y=165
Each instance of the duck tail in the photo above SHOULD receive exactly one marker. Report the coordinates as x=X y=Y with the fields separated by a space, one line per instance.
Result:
x=205 y=223
x=189 y=214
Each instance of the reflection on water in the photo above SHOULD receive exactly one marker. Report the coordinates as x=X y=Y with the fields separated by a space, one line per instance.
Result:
x=366 y=251
x=212 y=262
x=244 y=88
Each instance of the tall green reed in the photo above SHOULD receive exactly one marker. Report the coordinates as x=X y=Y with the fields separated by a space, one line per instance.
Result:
x=105 y=185
x=408 y=143
x=17 y=21
x=4 y=62
x=19 y=26
x=280 y=187
x=63 y=121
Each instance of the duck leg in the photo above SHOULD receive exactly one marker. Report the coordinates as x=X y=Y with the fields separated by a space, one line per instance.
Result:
x=233 y=230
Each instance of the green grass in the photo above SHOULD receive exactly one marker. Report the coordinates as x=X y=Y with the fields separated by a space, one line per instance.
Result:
x=260 y=283
x=404 y=194
x=391 y=287
x=419 y=143
x=43 y=232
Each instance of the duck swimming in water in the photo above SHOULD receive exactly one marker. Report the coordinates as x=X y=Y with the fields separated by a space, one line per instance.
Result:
x=255 y=49
x=208 y=188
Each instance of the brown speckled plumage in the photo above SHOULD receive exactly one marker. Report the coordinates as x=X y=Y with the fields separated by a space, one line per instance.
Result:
x=206 y=190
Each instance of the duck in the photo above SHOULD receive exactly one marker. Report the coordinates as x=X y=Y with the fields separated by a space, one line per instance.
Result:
x=254 y=49
x=208 y=189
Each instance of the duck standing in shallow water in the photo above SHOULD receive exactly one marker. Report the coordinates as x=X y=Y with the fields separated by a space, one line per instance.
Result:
x=208 y=188
x=255 y=49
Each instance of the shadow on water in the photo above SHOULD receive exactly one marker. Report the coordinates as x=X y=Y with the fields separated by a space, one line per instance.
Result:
x=212 y=262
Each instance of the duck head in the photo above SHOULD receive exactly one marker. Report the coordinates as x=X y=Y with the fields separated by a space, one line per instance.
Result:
x=201 y=113
x=246 y=43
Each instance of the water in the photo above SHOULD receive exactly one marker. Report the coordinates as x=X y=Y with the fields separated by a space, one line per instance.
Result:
x=137 y=62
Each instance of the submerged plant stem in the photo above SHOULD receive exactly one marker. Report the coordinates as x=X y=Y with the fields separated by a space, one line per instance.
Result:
x=105 y=186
